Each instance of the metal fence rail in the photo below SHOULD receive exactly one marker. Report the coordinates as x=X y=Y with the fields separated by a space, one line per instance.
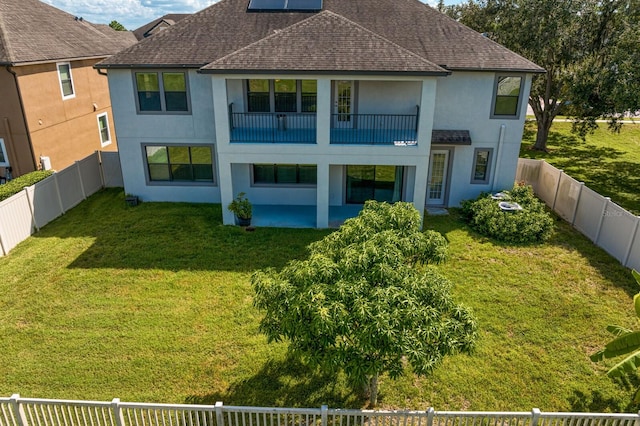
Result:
x=16 y=411
x=374 y=129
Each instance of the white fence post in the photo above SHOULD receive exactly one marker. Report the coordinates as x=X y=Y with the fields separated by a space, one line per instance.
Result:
x=219 y=414
x=117 y=412
x=2 y=245
x=555 y=196
x=575 y=211
x=535 y=415
x=102 y=180
x=31 y=210
x=632 y=240
x=604 y=212
x=55 y=178
x=324 y=415
x=18 y=412
x=84 y=193
x=430 y=415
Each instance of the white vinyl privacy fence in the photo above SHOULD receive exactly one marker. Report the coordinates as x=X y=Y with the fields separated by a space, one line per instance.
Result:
x=26 y=212
x=605 y=223
x=16 y=411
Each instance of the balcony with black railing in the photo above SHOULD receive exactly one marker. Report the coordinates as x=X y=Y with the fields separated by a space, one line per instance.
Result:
x=267 y=127
x=374 y=129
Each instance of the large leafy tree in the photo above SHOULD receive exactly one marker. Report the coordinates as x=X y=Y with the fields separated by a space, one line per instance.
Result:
x=117 y=26
x=364 y=302
x=588 y=47
x=625 y=343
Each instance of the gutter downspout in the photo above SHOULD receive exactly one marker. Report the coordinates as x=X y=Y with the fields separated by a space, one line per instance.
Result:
x=24 y=116
x=101 y=72
x=503 y=129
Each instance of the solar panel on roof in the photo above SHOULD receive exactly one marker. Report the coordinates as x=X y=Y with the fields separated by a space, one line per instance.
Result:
x=285 y=5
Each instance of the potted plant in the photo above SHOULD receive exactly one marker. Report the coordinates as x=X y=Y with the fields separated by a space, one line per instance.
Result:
x=242 y=209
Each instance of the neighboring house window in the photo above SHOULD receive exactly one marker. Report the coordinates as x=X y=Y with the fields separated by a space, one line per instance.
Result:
x=4 y=158
x=284 y=174
x=179 y=163
x=506 y=100
x=103 y=127
x=66 y=80
x=481 y=165
x=162 y=91
x=281 y=95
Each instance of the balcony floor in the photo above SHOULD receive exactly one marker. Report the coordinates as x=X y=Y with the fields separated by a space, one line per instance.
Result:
x=287 y=216
x=398 y=137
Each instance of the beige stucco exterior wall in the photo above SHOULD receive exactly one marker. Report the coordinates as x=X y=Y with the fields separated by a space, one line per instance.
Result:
x=65 y=130
x=12 y=127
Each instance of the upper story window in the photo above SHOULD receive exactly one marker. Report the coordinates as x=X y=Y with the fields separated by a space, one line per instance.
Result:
x=506 y=99
x=281 y=95
x=103 y=127
x=66 y=80
x=162 y=92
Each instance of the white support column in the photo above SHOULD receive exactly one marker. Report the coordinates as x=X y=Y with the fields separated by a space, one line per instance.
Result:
x=323 y=113
x=226 y=189
x=322 y=195
x=220 y=111
x=425 y=128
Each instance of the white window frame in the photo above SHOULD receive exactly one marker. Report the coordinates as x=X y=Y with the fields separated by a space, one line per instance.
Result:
x=3 y=148
x=106 y=117
x=73 y=86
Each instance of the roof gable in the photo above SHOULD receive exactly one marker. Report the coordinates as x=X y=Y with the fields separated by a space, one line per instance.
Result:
x=324 y=42
x=151 y=28
x=226 y=27
x=33 y=31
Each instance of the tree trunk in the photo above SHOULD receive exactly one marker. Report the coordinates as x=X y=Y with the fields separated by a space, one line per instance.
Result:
x=543 y=134
x=373 y=391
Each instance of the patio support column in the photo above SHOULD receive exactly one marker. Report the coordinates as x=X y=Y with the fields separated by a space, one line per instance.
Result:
x=322 y=194
x=323 y=113
x=425 y=127
x=221 y=120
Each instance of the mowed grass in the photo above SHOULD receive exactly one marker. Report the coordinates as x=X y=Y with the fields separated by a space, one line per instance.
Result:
x=607 y=162
x=154 y=303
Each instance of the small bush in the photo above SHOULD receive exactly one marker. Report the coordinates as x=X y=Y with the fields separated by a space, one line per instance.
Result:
x=531 y=224
x=18 y=184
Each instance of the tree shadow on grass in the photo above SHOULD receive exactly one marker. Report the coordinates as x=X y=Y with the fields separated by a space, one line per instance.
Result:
x=595 y=401
x=173 y=236
x=286 y=383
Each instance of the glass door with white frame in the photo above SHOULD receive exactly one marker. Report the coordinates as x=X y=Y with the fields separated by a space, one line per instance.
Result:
x=343 y=104
x=437 y=185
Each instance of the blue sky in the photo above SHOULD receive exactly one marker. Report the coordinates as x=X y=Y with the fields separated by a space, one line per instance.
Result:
x=135 y=13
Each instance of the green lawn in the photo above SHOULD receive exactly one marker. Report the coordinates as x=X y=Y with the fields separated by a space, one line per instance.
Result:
x=607 y=162
x=153 y=303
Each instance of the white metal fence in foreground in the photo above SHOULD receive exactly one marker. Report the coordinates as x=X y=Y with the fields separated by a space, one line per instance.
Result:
x=29 y=210
x=605 y=223
x=16 y=411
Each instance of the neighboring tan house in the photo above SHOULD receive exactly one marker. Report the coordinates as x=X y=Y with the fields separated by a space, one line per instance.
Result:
x=54 y=103
x=158 y=25
x=318 y=104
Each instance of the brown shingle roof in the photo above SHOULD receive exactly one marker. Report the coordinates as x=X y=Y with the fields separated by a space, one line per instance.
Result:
x=226 y=27
x=147 y=29
x=32 y=31
x=324 y=42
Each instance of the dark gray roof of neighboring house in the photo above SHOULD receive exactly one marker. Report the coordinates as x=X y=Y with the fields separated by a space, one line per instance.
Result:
x=148 y=29
x=33 y=31
x=226 y=27
x=324 y=42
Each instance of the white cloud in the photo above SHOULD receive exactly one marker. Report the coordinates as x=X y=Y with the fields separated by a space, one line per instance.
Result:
x=131 y=13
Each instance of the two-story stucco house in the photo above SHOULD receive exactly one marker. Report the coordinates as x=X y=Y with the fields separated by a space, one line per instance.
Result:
x=322 y=104
x=53 y=103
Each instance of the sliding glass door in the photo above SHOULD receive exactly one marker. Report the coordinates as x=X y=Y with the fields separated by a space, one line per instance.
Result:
x=380 y=183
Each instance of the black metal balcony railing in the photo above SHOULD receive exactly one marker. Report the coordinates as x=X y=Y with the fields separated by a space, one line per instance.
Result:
x=374 y=129
x=264 y=127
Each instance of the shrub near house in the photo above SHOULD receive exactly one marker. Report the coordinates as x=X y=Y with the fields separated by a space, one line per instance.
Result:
x=530 y=224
